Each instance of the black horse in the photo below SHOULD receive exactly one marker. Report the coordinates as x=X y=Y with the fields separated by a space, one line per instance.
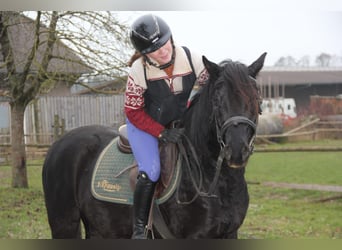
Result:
x=221 y=125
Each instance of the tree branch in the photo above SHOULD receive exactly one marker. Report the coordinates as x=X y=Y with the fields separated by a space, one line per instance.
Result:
x=42 y=69
x=34 y=48
x=6 y=50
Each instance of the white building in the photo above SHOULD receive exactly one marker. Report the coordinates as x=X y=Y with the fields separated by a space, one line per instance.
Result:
x=279 y=106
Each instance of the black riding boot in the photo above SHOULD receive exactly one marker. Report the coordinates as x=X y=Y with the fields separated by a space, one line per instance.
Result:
x=142 y=199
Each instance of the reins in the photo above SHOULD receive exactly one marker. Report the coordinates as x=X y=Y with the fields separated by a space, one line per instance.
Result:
x=198 y=167
x=232 y=121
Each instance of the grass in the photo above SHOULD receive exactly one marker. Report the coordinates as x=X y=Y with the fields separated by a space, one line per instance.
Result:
x=307 y=143
x=296 y=167
x=274 y=213
x=23 y=214
x=289 y=214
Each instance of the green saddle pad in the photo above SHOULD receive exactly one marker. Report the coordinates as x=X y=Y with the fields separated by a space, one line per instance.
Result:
x=110 y=180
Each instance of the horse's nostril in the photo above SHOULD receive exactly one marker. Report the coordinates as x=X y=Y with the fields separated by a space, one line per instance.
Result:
x=245 y=149
x=245 y=152
x=228 y=153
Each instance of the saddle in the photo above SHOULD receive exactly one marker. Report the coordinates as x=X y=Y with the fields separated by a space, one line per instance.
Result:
x=116 y=183
x=168 y=159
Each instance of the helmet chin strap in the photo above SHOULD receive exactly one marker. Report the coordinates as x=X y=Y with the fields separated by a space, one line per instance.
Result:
x=164 y=66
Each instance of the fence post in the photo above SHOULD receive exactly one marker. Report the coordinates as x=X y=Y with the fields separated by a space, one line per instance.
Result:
x=62 y=126
x=55 y=127
x=58 y=127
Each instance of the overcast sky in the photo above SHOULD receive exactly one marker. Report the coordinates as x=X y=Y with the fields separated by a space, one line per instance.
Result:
x=235 y=29
x=244 y=34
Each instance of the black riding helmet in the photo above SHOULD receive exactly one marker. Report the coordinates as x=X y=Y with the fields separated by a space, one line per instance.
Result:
x=149 y=33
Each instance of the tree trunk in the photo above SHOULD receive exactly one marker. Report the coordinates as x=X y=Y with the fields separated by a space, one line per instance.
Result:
x=19 y=170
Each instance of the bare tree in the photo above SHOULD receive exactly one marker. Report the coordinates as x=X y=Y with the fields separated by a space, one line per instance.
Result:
x=304 y=61
x=287 y=61
x=57 y=47
x=323 y=60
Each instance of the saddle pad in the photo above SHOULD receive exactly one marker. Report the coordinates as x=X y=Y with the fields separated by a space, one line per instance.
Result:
x=110 y=180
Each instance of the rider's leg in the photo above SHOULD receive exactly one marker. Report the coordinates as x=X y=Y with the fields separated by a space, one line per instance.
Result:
x=146 y=153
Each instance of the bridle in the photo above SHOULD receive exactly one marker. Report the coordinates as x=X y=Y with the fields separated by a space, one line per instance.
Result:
x=234 y=121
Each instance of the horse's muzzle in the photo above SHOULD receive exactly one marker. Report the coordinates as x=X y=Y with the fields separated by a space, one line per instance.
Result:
x=237 y=157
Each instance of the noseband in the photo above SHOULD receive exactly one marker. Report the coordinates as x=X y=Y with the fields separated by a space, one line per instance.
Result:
x=234 y=121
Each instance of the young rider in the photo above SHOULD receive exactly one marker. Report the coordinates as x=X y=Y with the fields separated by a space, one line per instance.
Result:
x=161 y=78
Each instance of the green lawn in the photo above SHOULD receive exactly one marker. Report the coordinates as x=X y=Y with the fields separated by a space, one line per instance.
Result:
x=274 y=213
x=279 y=213
x=296 y=167
x=23 y=214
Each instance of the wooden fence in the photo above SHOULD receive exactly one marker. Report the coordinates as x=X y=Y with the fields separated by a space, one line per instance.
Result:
x=50 y=117
x=72 y=112
x=57 y=114
x=311 y=130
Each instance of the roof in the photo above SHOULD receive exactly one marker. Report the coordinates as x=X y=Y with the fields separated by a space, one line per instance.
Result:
x=301 y=75
x=109 y=86
x=21 y=34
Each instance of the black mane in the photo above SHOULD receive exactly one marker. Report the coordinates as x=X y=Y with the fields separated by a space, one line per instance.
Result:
x=241 y=92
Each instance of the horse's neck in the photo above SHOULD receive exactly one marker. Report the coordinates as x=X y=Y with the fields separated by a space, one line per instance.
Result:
x=199 y=127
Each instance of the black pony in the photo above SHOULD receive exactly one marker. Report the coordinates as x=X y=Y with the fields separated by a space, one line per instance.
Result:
x=212 y=202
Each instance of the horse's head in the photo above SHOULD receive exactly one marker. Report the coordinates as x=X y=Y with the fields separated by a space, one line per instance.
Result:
x=236 y=106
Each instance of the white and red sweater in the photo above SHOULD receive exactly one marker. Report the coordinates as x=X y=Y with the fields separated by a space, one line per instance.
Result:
x=136 y=86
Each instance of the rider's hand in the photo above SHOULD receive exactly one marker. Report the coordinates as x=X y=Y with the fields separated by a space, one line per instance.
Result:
x=171 y=135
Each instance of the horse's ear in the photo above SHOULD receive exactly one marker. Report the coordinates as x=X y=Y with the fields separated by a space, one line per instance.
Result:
x=213 y=68
x=255 y=67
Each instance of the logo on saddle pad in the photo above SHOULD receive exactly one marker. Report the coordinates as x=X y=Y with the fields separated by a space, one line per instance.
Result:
x=108 y=187
x=115 y=174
